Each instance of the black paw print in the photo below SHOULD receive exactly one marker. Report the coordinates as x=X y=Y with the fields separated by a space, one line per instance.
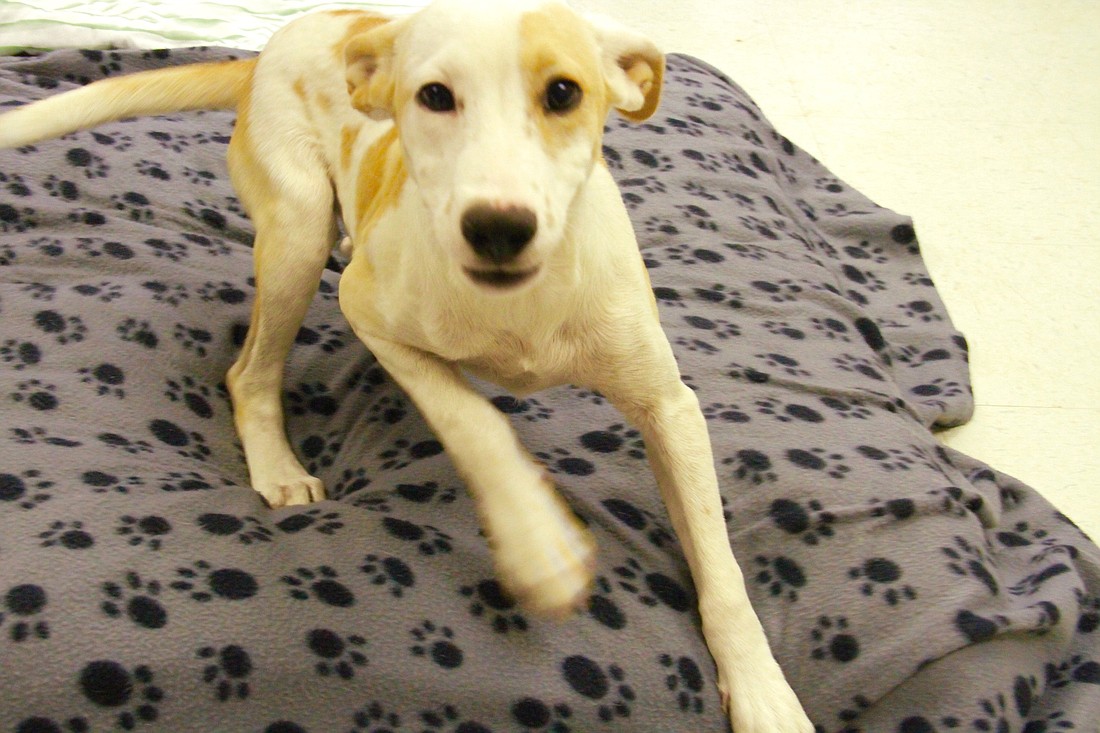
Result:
x=325 y=336
x=781 y=575
x=62 y=189
x=879 y=575
x=203 y=583
x=351 y=482
x=391 y=572
x=168 y=293
x=560 y=460
x=147 y=531
x=753 y=466
x=969 y=560
x=39 y=435
x=95 y=247
x=36 y=394
x=716 y=327
x=138 y=332
x=318 y=520
x=375 y=719
x=87 y=217
x=818 y=459
x=782 y=291
x=732 y=414
x=784 y=363
x=110 y=685
x=436 y=643
x=653 y=589
x=65 y=329
x=640 y=520
x=832 y=329
x=196 y=397
x=70 y=535
x=153 y=170
x=137 y=600
x=835 y=641
x=184 y=481
x=27 y=490
x=700 y=218
x=171 y=251
x=489 y=600
x=695 y=346
x=617 y=438
x=104 y=292
x=659 y=225
x=247 y=530
x=321 y=584
x=339 y=655
x=227 y=671
x=899 y=509
x=40 y=291
x=782 y=328
x=207 y=213
x=20 y=354
x=653 y=159
x=1075 y=669
x=847 y=409
x=21 y=604
x=528 y=409
x=403 y=453
x=890 y=460
x=224 y=292
x=428 y=539
x=535 y=715
x=684 y=679
x=921 y=310
x=312 y=398
x=426 y=493
x=134 y=205
x=606 y=686
x=686 y=256
x=788 y=412
x=192 y=338
x=200 y=177
x=14 y=219
x=320 y=451
x=602 y=608
x=811 y=521
x=388 y=410
x=187 y=444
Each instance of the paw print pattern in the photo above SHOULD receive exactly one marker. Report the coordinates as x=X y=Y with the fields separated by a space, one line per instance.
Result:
x=337 y=655
x=196 y=397
x=782 y=576
x=752 y=466
x=560 y=460
x=326 y=337
x=785 y=364
x=133 y=205
x=135 y=599
x=64 y=329
x=684 y=679
x=534 y=716
x=811 y=521
x=69 y=535
x=640 y=520
x=138 y=332
x=653 y=589
x=847 y=409
x=26 y=490
x=247 y=530
x=169 y=294
x=404 y=453
x=227 y=671
x=20 y=354
x=203 y=583
x=489 y=600
x=21 y=609
x=312 y=399
x=392 y=573
x=788 y=412
x=148 y=531
x=834 y=640
x=428 y=539
x=437 y=644
x=108 y=684
x=818 y=459
x=36 y=395
x=617 y=438
x=605 y=686
x=967 y=560
x=529 y=409
x=317 y=520
x=881 y=576
x=321 y=584
x=187 y=444
x=721 y=412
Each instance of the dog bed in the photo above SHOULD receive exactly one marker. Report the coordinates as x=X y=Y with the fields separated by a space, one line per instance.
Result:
x=144 y=586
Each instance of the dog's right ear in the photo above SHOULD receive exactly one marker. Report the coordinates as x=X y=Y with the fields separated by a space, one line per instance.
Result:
x=370 y=69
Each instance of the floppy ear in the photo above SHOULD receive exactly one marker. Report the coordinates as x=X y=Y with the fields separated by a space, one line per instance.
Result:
x=633 y=67
x=370 y=70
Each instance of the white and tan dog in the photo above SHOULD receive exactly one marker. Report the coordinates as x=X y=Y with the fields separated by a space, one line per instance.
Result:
x=462 y=148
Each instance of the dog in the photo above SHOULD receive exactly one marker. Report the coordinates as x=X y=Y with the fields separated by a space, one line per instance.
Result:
x=461 y=147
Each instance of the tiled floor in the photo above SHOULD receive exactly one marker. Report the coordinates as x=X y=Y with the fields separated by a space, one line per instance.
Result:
x=982 y=121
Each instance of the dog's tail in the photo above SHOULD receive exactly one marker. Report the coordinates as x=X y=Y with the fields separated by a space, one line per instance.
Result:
x=217 y=85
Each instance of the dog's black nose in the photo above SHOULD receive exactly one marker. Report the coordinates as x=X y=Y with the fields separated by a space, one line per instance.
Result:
x=498 y=235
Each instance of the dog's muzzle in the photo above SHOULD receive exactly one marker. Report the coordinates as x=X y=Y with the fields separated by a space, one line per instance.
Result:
x=499 y=236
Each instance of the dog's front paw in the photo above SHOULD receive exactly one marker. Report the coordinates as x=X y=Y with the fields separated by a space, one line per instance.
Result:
x=760 y=700
x=545 y=557
x=289 y=489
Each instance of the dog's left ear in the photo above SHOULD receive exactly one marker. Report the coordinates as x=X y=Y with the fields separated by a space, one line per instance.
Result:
x=370 y=70
x=633 y=66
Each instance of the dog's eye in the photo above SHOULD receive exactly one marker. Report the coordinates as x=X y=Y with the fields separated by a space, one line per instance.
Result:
x=436 y=97
x=562 y=95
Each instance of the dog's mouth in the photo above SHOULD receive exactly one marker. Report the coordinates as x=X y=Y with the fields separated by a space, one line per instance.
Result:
x=501 y=279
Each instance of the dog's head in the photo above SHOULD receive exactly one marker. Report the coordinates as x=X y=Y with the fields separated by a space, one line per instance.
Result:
x=500 y=108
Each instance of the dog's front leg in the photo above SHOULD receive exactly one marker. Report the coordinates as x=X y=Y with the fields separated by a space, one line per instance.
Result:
x=754 y=690
x=544 y=556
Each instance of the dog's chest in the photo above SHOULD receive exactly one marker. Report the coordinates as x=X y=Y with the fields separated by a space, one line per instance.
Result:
x=521 y=363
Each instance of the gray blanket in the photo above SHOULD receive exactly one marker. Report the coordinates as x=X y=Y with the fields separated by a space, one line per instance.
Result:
x=144 y=586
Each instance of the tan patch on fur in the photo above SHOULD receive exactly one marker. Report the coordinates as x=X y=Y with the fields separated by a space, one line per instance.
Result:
x=382 y=177
x=359 y=26
x=552 y=47
x=348 y=135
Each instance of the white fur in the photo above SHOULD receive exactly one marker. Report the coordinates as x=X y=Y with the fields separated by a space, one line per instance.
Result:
x=587 y=316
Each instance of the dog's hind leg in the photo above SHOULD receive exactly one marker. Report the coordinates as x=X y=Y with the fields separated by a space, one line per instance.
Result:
x=292 y=211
